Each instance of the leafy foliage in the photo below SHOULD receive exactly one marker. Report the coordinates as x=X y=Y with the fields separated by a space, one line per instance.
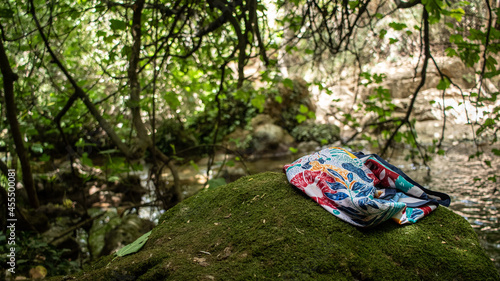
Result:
x=33 y=251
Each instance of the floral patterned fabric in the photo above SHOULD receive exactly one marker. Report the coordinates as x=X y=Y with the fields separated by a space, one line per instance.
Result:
x=363 y=190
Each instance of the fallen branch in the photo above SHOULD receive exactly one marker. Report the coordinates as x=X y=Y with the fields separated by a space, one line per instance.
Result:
x=75 y=227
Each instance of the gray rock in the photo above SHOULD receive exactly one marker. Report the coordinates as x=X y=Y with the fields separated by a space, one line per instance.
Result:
x=268 y=137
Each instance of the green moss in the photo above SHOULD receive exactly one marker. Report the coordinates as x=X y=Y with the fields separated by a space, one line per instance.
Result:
x=262 y=228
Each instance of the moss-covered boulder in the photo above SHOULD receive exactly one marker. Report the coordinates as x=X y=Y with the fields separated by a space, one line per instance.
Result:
x=262 y=228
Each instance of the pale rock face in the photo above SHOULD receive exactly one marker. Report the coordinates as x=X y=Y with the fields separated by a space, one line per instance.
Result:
x=402 y=80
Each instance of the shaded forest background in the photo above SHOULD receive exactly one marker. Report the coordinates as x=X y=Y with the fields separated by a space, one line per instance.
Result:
x=94 y=91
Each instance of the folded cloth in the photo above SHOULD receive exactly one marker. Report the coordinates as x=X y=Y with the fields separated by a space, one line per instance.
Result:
x=363 y=190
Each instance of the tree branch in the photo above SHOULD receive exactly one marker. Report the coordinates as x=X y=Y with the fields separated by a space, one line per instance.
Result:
x=4 y=168
x=427 y=55
x=256 y=31
x=80 y=92
x=405 y=5
x=9 y=77
x=135 y=97
x=486 y=44
x=226 y=9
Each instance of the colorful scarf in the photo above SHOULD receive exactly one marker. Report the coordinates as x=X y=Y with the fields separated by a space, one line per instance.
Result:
x=363 y=190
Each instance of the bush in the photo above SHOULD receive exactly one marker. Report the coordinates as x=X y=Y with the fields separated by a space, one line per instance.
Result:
x=34 y=254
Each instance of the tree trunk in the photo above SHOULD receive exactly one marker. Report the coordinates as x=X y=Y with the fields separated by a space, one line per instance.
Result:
x=9 y=78
x=135 y=98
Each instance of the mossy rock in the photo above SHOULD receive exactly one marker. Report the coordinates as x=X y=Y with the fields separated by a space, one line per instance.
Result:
x=262 y=228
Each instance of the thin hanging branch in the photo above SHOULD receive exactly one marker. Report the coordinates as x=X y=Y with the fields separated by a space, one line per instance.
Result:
x=486 y=44
x=443 y=76
x=427 y=55
x=217 y=124
x=155 y=74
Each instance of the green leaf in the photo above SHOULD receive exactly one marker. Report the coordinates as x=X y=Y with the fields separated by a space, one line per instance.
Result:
x=289 y=49
x=86 y=160
x=489 y=122
x=117 y=24
x=113 y=178
x=379 y=16
x=258 y=102
x=397 y=25
x=293 y=150
x=491 y=74
x=32 y=131
x=137 y=167
x=45 y=158
x=135 y=246
x=456 y=38
x=393 y=40
x=101 y=33
x=353 y=4
x=491 y=63
x=488 y=163
x=6 y=13
x=126 y=51
x=303 y=109
x=109 y=151
x=496 y=151
x=194 y=165
x=444 y=84
x=457 y=14
x=382 y=33
x=300 y=118
x=288 y=83
x=212 y=183
x=450 y=52
x=278 y=99
x=37 y=148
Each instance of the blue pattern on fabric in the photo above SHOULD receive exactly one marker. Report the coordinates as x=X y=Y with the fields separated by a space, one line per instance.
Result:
x=363 y=190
